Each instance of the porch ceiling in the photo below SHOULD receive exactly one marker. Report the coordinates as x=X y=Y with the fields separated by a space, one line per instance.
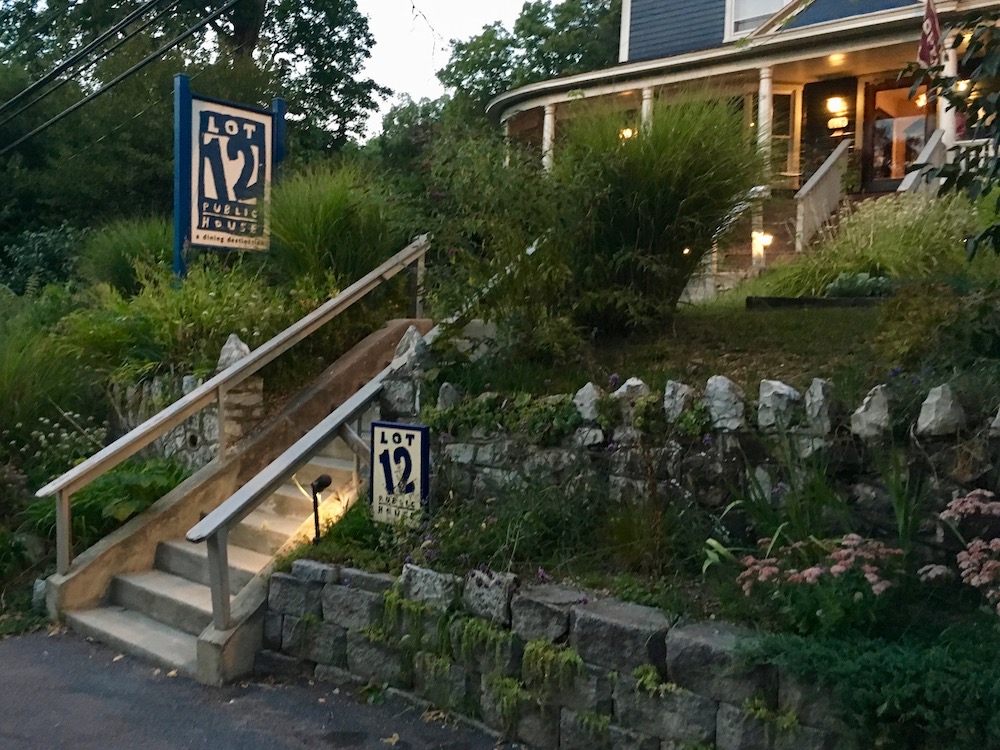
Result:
x=861 y=62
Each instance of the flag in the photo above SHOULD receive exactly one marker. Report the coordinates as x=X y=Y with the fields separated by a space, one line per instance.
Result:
x=929 y=53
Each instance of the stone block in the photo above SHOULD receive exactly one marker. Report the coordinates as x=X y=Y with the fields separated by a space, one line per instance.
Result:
x=735 y=729
x=677 y=714
x=439 y=681
x=354 y=609
x=272 y=630
x=591 y=690
x=726 y=404
x=436 y=590
x=534 y=725
x=814 y=705
x=377 y=583
x=494 y=651
x=293 y=640
x=273 y=664
x=677 y=398
x=376 y=661
x=460 y=453
x=871 y=419
x=315 y=572
x=488 y=595
x=775 y=404
x=618 y=635
x=399 y=397
x=821 y=407
x=290 y=596
x=806 y=738
x=588 y=437
x=326 y=644
x=448 y=396
x=335 y=675
x=586 y=400
x=702 y=658
x=542 y=612
x=941 y=413
x=576 y=734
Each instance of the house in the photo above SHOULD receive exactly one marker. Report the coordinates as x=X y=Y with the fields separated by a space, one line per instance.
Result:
x=819 y=82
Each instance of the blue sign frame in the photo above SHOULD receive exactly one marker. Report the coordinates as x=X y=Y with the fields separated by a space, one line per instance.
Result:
x=403 y=465
x=222 y=178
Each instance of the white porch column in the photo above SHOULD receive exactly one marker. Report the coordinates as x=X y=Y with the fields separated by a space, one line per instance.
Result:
x=945 y=112
x=647 y=107
x=548 y=135
x=765 y=113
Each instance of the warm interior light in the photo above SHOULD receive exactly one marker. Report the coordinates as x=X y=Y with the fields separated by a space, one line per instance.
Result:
x=837 y=59
x=837 y=123
x=962 y=85
x=687 y=251
x=759 y=242
x=626 y=133
x=836 y=105
x=921 y=100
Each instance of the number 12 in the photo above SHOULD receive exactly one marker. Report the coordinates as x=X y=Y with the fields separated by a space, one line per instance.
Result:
x=401 y=456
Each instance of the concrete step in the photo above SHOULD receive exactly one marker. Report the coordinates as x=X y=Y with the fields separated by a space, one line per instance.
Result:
x=265 y=532
x=288 y=500
x=139 y=635
x=341 y=470
x=337 y=448
x=188 y=560
x=169 y=599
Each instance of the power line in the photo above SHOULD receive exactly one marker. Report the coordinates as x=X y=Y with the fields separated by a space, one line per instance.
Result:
x=132 y=34
x=118 y=79
x=79 y=54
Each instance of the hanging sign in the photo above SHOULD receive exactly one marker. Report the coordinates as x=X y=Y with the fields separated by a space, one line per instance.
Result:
x=400 y=465
x=225 y=156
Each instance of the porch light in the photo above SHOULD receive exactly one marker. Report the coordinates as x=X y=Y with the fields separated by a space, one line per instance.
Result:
x=836 y=105
x=962 y=85
x=921 y=100
x=759 y=242
x=626 y=133
x=687 y=251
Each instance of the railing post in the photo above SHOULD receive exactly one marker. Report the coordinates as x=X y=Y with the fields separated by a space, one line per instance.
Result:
x=218 y=572
x=223 y=442
x=64 y=532
x=417 y=269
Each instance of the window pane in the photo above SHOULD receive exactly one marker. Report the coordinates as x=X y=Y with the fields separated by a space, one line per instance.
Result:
x=745 y=11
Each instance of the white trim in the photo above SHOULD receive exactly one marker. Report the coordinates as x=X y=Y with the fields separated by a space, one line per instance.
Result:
x=730 y=34
x=625 y=35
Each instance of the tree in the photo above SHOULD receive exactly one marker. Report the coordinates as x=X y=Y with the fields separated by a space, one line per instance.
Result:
x=975 y=96
x=547 y=41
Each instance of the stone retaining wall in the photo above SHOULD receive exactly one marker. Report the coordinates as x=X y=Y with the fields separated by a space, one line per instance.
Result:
x=549 y=666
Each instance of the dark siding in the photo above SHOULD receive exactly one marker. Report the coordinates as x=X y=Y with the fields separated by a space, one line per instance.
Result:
x=661 y=28
x=831 y=10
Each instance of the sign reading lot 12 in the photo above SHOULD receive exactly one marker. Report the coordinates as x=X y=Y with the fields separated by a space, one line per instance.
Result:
x=400 y=472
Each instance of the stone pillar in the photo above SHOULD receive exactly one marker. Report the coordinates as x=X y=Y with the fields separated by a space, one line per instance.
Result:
x=548 y=135
x=647 y=107
x=241 y=407
x=945 y=112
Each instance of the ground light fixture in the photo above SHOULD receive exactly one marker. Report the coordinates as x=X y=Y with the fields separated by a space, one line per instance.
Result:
x=759 y=242
x=319 y=484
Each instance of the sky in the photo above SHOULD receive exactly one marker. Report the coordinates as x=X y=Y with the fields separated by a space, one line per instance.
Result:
x=412 y=41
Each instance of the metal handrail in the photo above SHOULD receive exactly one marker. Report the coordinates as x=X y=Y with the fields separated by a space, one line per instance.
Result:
x=214 y=390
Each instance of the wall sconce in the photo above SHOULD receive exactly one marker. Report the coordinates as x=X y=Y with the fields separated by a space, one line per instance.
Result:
x=921 y=101
x=759 y=242
x=836 y=105
x=626 y=133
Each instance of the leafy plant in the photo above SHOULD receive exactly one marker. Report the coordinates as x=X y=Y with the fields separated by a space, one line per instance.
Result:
x=35 y=258
x=859 y=285
x=547 y=668
x=111 y=253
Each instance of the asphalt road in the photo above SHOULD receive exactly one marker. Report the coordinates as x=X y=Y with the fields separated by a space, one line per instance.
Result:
x=62 y=691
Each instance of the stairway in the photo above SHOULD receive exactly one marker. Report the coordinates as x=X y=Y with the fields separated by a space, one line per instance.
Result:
x=159 y=613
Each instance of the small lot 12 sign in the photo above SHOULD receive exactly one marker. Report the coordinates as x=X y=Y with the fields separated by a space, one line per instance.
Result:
x=400 y=477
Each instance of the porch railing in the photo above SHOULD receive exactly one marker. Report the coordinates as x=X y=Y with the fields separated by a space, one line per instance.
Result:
x=934 y=154
x=215 y=389
x=820 y=197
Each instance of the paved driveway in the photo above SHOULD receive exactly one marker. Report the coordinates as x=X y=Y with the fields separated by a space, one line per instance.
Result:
x=64 y=692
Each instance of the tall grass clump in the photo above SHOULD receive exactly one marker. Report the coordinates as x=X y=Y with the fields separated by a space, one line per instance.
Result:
x=333 y=221
x=111 y=253
x=658 y=202
x=906 y=237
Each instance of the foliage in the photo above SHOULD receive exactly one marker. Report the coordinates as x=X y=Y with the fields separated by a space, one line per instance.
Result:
x=332 y=222
x=509 y=693
x=655 y=206
x=13 y=555
x=54 y=446
x=907 y=237
x=110 y=500
x=111 y=253
x=183 y=326
x=547 y=668
x=35 y=258
x=859 y=285
x=544 y=421
x=648 y=679
x=937 y=691
x=815 y=587
x=549 y=39
x=694 y=421
x=974 y=167
x=979 y=561
x=912 y=323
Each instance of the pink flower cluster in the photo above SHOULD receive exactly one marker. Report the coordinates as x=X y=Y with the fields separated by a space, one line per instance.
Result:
x=979 y=562
x=850 y=553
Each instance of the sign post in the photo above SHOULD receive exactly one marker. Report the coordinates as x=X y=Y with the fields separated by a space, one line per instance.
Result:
x=400 y=466
x=225 y=156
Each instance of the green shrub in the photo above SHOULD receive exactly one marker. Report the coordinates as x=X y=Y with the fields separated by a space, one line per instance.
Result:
x=859 y=285
x=655 y=206
x=53 y=446
x=110 y=254
x=544 y=421
x=939 y=691
x=912 y=324
x=109 y=501
x=33 y=259
x=333 y=221
x=906 y=237
x=13 y=556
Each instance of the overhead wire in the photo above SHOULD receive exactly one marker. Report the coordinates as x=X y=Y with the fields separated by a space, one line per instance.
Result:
x=121 y=77
x=129 y=36
x=79 y=54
